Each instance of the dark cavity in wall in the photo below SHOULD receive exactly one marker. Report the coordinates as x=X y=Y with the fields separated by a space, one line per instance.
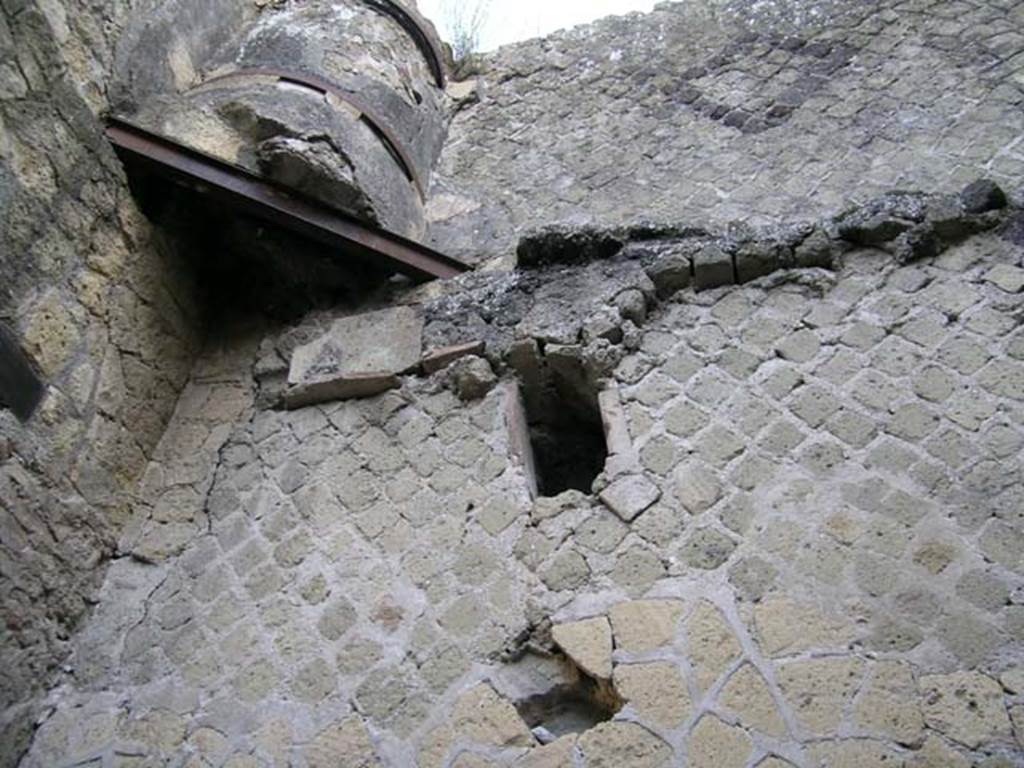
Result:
x=576 y=704
x=564 y=421
x=244 y=266
x=21 y=390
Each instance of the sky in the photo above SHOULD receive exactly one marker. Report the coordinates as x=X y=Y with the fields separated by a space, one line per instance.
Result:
x=510 y=20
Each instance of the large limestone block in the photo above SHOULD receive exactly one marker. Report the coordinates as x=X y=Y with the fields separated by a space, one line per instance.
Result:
x=968 y=707
x=588 y=643
x=359 y=356
x=484 y=717
x=644 y=625
x=656 y=691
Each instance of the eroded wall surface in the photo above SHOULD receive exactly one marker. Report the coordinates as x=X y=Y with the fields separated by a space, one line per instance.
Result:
x=100 y=306
x=105 y=306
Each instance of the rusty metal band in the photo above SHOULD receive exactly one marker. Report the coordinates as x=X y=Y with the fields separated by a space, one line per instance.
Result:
x=278 y=204
x=417 y=28
x=322 y=85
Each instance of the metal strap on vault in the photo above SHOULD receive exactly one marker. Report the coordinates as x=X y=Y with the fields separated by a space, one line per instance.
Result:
x=276 y=203
x=417 y=27
x=324 y=86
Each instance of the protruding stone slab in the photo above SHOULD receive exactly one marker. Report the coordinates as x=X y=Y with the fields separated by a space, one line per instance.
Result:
x=712 y=268
x=588 y=643
x=359 y=356
x=472 y=378
x=672 y=272
x=437 y=359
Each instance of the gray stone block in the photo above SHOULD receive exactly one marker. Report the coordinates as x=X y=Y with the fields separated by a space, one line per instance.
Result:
x=755 y=260
x=671 y=272
x=712 y=268
x=359 y=356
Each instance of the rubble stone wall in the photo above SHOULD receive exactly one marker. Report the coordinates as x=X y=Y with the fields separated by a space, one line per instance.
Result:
x=104 y=310
x=103 y=304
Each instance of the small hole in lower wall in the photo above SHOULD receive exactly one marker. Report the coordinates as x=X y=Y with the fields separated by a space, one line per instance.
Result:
x=575 y=706
x=564 y=422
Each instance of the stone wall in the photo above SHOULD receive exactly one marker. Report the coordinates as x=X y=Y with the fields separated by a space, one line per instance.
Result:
x=804 y=548
x=105 y=306
x=100 y=303
x=712 y=111
x=803 y=551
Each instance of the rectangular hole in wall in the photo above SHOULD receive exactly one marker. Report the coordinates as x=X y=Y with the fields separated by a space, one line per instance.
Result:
x=565 y=428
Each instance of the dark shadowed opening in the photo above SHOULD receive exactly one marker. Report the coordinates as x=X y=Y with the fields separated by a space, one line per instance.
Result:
x=245 y=266
x=21 y=390
x=573 y=706
x=566 y=433
x=569 y=450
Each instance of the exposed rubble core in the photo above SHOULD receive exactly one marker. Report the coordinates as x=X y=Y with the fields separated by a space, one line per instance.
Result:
x=715 y=460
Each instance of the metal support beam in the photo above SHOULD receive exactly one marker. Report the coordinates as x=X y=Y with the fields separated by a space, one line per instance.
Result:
x=278 y=204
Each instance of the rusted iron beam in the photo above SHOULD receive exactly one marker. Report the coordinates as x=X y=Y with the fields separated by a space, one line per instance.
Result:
x=21 y=390
x=417 y=27
x=322 y=85
x=276 y=203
